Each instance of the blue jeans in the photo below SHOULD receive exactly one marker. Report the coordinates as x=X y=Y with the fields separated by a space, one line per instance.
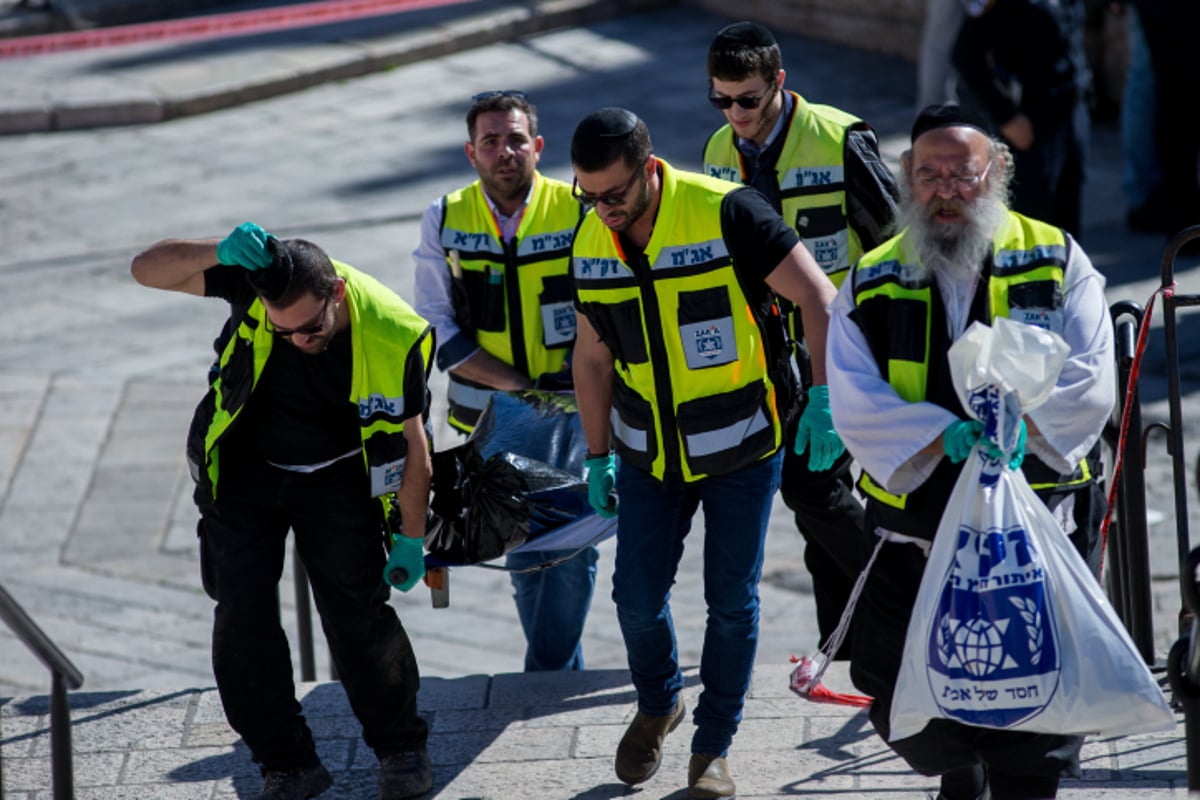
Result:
x=653 y=519
x=553 y=605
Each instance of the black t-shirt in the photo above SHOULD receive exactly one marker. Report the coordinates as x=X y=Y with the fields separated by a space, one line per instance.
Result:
x=300 y=412
x=757 y=237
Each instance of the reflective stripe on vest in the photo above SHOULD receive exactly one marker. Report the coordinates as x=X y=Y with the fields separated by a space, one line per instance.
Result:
x=691 y=393
x=636 y=439
x=1025 y=284
x=726 y=438
x=468 y=402
x=518 y=297
x=1085 y=476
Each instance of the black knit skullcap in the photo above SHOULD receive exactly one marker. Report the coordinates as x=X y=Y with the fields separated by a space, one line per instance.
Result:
x=607 y=123
x=743 y=33
x=943 y=115
x=272 y=282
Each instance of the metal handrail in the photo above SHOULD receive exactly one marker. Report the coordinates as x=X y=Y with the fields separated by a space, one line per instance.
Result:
x=1128 y=543
x=63 y=675
x=1183 y=661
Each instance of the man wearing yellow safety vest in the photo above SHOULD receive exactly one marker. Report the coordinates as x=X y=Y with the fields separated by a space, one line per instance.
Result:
x=313 y=422
x=820 y=168
x=681 y=364
x=962 y=256
x=492 y=277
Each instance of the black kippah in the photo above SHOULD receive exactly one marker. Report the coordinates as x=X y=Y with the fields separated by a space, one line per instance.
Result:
x=743 y=33
x=942 y=115
x=272 y=281
x=611 y=122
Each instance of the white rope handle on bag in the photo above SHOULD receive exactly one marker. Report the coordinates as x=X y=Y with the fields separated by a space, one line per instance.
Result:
x=825 y=655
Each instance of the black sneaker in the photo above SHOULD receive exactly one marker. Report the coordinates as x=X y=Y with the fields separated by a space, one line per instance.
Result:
x=294 y=784
x=405 y=774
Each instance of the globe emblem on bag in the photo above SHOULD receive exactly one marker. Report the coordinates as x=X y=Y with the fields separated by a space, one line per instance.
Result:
x=992 y=650
x=978 y=647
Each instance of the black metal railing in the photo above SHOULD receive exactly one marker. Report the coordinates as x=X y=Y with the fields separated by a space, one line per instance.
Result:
x=1128 y=542
x=1183 y=662
x=63 y=675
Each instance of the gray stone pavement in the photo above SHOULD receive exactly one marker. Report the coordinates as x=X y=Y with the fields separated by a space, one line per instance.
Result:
x=98 y=378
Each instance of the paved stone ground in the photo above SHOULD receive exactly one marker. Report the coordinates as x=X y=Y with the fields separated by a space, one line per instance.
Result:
x=98 y=378
x=505 y=737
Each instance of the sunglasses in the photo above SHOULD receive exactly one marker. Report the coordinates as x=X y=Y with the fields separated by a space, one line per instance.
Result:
x=608 y=198
x=498 y=93
x=305 y=330
x=746 y=101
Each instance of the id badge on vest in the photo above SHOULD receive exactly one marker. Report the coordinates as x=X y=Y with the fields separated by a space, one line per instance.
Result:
x=823 y=231
x=1038 y=303
x=1048 y=319
x=706 y=328
x=558 y=324
x=386 y=477
x=558 y=311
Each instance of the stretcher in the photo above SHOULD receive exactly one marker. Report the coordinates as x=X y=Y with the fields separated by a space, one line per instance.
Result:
x=515 y=485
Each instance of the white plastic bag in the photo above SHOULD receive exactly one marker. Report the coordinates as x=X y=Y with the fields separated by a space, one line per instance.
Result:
x=1010 y=630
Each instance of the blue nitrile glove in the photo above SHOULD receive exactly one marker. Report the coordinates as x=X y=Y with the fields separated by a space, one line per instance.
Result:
x=1017 y=456
x=406 y=563
x=601 y=478
x=959 y=437
x=816 y=428
x=246 y=247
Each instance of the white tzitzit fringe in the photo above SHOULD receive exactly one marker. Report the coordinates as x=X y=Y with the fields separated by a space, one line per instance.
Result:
x=825 y=655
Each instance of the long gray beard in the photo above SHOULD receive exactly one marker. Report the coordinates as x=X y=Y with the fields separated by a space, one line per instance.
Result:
x=952 y=249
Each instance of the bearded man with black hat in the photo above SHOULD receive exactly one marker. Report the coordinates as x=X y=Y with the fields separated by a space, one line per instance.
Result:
x=681 y=364
x=820 y=168
x=962 y=256
x=313 y=422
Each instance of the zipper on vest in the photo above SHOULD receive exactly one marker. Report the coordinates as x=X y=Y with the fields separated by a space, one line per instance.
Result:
x=659 y=363
x=512 y=298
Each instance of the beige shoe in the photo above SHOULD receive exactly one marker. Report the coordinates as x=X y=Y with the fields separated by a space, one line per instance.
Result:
x=708 y=777
x=640 y=750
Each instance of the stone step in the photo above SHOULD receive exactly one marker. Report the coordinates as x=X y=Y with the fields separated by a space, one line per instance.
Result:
x=523 y=735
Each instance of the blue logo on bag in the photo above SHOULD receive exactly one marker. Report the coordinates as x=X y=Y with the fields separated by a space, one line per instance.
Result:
x=990 y=405
x=993 y=653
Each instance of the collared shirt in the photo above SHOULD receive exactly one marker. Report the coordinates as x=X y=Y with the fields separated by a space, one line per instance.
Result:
x=749 y=148
x=431 y=290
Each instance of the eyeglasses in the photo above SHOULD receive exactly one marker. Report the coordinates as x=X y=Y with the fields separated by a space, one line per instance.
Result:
x=747 y=101
x=955 y=183
x=305 y=330
x=608 y=198
x=498 y=93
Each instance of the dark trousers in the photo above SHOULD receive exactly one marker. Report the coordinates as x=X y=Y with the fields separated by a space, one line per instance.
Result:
x=1048 y=181
x=339 y=538
x=830 y=519
x=1170 y=28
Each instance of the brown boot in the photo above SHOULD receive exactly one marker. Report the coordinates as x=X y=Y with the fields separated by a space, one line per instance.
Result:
x=640 y=750
x=708 y=777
